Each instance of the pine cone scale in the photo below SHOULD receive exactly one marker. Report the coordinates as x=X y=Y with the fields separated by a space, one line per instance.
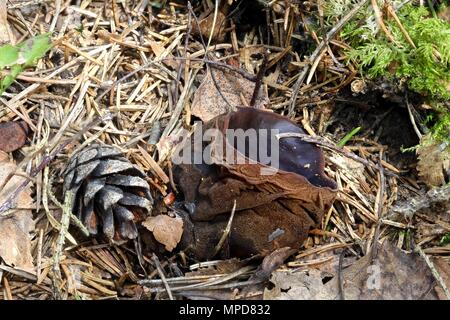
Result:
x=127 y=181
x=83 y=171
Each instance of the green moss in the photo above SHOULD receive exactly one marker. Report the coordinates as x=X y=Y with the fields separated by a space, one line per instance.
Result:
x=425 y=68
x=440 y=128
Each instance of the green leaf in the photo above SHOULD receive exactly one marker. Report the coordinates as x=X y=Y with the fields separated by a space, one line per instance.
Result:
x=21 y=56
x=348 y=136
x=34 y=49
x=8 y=56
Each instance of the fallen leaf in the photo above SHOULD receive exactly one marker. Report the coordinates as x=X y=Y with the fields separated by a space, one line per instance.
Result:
x=301 y=285
x=209 y=103
x=165 y=229
x=434 y=162
x=13 y=135
x=392 y=275
x=15 y=242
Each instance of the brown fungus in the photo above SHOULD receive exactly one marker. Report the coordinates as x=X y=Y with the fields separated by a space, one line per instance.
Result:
x=277 y=202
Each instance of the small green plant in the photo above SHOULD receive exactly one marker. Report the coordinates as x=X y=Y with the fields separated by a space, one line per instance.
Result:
x=15 y=59
x=445 y=239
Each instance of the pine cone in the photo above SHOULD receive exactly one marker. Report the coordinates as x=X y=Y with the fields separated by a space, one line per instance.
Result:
x=111 y=194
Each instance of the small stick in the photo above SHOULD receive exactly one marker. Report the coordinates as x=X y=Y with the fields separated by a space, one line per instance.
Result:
x=411 y=117
x=39 y=253
x=65 y=220
x=73 y=217
x=162 y=276
x=216 y=85
x=259 y=80
x=56 y=15
x=226 y=231
x=391 y=11
x=380 y=22
x=376 y=236
x=182 y=65
x=340 y=275
x=435 y=273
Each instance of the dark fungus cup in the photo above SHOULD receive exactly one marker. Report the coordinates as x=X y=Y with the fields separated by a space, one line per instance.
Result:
x=279 y=185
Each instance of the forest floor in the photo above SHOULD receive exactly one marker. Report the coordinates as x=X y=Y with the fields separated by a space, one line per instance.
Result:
x=128 y=74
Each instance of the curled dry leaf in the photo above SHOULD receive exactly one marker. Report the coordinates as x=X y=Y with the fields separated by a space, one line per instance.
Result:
x=15 y=242
x=13 y=135
x=276 y=204
x=209 y=103
x=166 y=230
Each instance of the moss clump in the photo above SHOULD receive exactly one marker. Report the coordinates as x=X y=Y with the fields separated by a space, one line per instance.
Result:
x=425 y=67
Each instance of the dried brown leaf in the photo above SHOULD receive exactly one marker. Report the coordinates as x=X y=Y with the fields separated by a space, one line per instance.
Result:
x=15 y=242
x=165 y=229
x=433 y=163
x=302 y=285
x=209 y=103
x=392 y=275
